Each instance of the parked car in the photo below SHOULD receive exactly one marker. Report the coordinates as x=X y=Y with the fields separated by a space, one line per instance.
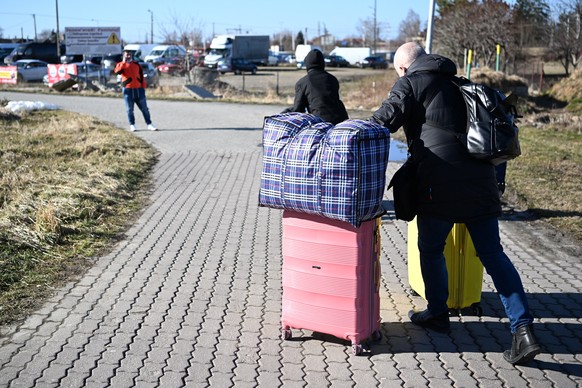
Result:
x=80 y=58
x=273 y=59
x=30 y=70
x=150 y=74
x=374 y=62
x=237 y=65
x=91 y=71
x=109 y=61
x=335 y=61
x=86 y=71
x=174 y=66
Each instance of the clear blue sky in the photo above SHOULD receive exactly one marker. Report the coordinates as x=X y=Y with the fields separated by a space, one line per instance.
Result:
x=261 y=17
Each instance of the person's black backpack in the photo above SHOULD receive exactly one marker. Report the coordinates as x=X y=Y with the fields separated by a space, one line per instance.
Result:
x=491 y=131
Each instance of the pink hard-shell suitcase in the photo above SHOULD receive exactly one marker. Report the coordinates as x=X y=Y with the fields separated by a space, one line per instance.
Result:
x=331 y=277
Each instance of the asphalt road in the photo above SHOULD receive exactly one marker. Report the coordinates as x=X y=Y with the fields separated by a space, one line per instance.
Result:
x=193 y=124
x=207 y=124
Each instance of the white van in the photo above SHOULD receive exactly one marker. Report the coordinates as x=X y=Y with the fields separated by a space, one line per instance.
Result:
x=140 y=51
x=163 y=53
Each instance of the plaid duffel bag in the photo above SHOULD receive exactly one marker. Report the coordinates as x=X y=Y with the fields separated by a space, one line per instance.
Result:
x=312 y=166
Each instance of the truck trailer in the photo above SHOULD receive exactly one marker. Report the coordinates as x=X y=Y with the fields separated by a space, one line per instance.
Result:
x=254 y=48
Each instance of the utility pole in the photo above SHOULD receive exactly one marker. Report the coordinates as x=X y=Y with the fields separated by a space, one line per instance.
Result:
x=429 y=27
x=151 y=26
x=58 y=33
x=375 y=28
x=34 y=18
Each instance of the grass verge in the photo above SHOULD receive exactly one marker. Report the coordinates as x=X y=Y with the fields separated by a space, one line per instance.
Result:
x=69 y=184
x=545 y=179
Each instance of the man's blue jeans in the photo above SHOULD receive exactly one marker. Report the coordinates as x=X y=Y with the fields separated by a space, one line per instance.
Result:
x=432 y=235
x=136 y=96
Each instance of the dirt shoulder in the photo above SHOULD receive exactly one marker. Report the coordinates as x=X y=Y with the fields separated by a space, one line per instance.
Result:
x=539 y=234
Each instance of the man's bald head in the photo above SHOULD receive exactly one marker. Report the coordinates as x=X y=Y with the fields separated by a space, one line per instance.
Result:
x=405 y=55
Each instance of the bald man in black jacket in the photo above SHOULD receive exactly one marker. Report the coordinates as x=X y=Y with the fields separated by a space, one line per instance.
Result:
x=452 y=187
x=318 y=91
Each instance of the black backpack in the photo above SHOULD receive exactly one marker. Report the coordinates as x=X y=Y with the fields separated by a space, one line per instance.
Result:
x=491 y=131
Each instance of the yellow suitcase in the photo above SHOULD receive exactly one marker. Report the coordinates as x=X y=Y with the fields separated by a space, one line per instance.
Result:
x=463 y=265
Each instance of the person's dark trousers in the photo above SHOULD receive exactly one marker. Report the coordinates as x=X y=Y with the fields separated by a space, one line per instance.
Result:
x=500 y=174
x=136 y=96
x=432 y=235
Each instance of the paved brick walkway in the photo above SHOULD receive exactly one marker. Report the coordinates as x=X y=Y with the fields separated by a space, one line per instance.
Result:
x=192 y=295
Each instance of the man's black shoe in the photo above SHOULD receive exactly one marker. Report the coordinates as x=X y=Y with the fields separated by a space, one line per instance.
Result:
x=426 y=319
x=523 y=346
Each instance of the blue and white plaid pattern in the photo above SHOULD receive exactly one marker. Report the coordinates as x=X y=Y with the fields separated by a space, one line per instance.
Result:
x=315 y=167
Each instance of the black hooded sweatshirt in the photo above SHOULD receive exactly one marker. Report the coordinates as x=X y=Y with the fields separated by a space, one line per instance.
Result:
x=452 y=185
x=318 y=91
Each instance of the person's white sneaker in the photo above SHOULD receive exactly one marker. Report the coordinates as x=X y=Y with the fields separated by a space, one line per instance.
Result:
x=152 y=127
x=132 y=128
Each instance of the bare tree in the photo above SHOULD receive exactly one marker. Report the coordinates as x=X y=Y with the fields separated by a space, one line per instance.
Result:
x=477 y=25
x=181 y=31
x=284 y=39
x=533 y=23
x=366 y=30
x=410 y=27
x=444 y=5
x=567 y=37
x=47 y=36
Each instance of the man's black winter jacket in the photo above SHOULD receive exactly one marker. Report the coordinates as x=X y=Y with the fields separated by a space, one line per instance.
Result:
x=452 y=185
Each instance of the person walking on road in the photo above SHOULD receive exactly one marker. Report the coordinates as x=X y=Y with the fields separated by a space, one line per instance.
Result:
x=134 y=84
x=318 y=91
x=452 y=187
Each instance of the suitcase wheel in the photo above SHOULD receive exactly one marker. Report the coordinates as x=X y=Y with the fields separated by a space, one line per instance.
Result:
x=357 y=349
x=476 y=309
x=286 y=334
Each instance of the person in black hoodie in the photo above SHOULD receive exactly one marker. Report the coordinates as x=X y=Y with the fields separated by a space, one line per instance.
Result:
x=318 y=91
x=452 y=187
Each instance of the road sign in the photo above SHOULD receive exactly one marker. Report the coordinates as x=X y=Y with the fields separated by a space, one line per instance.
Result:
x=93 y=40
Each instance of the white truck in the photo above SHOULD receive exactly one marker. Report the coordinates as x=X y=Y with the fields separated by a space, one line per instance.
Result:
x=254 y=48
x=301 y=52
x=354 y=55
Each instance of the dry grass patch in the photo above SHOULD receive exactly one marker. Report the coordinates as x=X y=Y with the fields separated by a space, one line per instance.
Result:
x=546 y=177
x=68 y=185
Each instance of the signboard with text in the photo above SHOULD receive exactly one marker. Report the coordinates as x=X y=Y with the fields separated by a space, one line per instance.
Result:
x=93 y=40
x=58 y=73
x=8 y=74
